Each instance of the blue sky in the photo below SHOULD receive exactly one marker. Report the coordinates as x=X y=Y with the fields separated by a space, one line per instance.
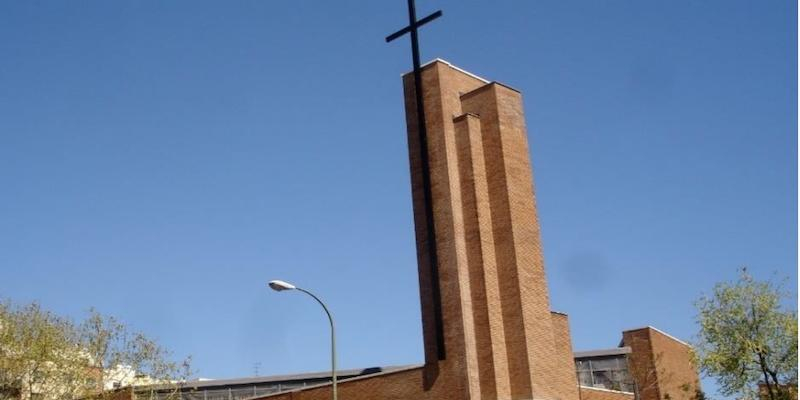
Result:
x=162 y=160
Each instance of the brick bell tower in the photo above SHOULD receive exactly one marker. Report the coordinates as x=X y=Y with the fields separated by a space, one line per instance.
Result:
x=492 y=313
x=488 y=330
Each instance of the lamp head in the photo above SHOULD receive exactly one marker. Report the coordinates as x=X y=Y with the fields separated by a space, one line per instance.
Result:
x=278 y=286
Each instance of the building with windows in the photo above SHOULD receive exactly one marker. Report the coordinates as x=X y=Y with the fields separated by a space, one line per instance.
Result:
x=605 y=369
x=246 y=388
x=487 y=327
x=648 y=364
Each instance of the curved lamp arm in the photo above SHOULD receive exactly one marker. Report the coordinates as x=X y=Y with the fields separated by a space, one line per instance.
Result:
x=278 y=285
x=333 y=338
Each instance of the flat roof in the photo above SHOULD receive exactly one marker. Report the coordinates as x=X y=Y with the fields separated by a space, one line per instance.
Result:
x=324 y=384
x=602 y=352
x=347 y=373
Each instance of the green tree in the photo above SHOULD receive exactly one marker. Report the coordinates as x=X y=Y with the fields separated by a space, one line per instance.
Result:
x=47 y=357
x=747 y=340
x=125 y=358
x=36 y=353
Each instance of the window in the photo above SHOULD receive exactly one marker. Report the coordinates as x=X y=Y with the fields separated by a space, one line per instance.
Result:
x=608 y=372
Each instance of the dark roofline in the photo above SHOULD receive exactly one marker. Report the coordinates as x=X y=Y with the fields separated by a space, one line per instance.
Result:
x=344 y=374
x=355 y=378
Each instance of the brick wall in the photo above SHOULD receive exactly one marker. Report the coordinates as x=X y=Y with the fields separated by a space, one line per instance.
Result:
x=661 y=365
x=565 y=380
x=589 y=393
x=500 y=339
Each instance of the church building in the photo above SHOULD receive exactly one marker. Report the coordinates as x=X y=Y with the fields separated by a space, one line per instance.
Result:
x=488 y=330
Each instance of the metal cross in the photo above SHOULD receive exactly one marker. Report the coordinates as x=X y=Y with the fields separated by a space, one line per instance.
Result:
x=413 y=25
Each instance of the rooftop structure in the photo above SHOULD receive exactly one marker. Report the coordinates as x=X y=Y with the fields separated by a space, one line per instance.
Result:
x=651 y=365
x=249 y=387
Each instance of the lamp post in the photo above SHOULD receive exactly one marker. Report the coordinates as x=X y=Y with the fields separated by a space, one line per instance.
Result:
x=279 y=286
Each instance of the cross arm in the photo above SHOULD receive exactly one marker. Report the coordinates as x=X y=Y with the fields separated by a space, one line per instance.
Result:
x=416 y=25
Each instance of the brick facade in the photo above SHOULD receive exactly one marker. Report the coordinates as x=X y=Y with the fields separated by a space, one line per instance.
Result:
x=502 y=341
x=588 y=393
x=500 y=337
x=661 y=365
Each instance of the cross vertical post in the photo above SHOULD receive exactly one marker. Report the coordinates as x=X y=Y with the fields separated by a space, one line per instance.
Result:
x=412 y=29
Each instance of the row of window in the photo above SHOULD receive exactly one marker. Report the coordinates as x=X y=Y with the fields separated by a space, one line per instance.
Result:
x=605 y=372
x=223 y=393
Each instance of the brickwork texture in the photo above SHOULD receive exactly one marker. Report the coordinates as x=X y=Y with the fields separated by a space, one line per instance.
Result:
x=589 y=393
x=500 y=337
x=661 y=365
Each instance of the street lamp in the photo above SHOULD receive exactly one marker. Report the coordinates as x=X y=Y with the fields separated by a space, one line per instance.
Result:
x=279 y=286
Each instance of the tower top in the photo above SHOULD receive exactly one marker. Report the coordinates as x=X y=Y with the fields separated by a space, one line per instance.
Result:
x=451 y=65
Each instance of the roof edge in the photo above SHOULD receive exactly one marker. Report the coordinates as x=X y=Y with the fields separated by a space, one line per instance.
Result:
x=356 y=378
x=602 y=352
x=659 y=331
x=449 y=64
x=465 y=116
x=351 y=373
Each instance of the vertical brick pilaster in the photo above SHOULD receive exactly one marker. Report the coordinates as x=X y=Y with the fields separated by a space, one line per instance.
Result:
x=487 y=314
x=565 y=385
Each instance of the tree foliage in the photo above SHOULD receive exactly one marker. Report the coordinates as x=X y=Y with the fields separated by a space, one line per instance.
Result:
x=747 y=340
x=45 y=356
